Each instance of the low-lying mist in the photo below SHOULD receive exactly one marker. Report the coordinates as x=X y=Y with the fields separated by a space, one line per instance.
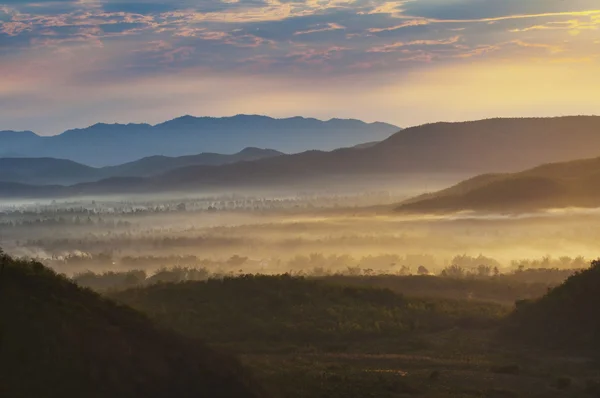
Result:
x=288 y=233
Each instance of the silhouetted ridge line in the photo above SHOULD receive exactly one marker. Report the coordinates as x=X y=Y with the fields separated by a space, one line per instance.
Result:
x=105 y=144
x=48 y=171
x=554 y=185
x=497 y=145
x=64 y=341
x=565 y=318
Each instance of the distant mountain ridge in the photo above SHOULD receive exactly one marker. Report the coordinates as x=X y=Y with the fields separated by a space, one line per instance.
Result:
x=494 y=145
x=50 y=171
x=112 y=144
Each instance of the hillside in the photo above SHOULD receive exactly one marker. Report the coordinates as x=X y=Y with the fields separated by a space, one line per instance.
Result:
x=495 y=145
x=50 y=171
x=565 y=318
x=308 y=338
x=43 y=171
x=59 y=340
x=480 y=146
x=155 y=165
x=555 y=185
x=112 y=144
x=264 y=309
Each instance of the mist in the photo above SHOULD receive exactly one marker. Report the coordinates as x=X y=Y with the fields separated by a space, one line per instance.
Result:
x=284 y=232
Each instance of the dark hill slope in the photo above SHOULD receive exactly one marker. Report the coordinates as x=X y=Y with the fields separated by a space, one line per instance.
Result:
x=50 y=171
x=566 y=318
x=45 y=171
x=155 y=165
x=481 y=146
x=59 y=340
x=497 y=144
x=557 y=185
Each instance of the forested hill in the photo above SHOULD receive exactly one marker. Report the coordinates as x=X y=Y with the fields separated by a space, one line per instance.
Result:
x=566 y=318
x=59 y=340
x=556 y=185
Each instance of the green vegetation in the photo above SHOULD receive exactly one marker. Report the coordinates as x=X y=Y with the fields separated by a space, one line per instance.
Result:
x=60 y=340
x=455 y=282
x=565 y=318
x=336 y=336
x=295 y=310
x=328 y=337
x=308 y=338
x=503 y=289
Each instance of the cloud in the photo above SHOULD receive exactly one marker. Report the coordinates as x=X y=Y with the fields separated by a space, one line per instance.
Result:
x=395 y=46
x=14 y=28
x=408 y=23
x=522 y=16
x=88 y=45
x=492 y=11
x=552 y=48
x=573 y=26
x=330 y=26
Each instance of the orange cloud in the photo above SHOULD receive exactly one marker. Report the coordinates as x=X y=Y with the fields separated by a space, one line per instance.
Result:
x=412 y=22
x=330 y=26
x=394 y=46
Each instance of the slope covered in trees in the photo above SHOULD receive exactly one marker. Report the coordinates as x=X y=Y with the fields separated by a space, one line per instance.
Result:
x=265 y=309
x=565 y=318
x=556 y=185
x=59 y=340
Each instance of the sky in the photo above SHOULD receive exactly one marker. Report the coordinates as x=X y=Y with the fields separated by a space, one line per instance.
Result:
x=72 y=63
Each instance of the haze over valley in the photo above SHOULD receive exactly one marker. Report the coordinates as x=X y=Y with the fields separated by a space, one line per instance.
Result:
x=365 y=225
x=306 y=199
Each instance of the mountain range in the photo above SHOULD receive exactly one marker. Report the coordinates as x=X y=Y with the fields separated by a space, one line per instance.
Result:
x=555 y=185
x=49 y=171
x=112 y=144
x=494 y=145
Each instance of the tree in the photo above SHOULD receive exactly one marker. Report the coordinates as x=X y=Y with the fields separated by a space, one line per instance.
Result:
x=236 y=261
x=422 y=270
x=453 y=271
x=484 y=271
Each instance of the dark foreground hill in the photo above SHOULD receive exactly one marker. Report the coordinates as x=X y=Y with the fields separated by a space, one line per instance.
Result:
x=111 y=144
x=50 y=171
x=556 y=185
x=566 y=318
x=501 y=145
x=59 y=340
